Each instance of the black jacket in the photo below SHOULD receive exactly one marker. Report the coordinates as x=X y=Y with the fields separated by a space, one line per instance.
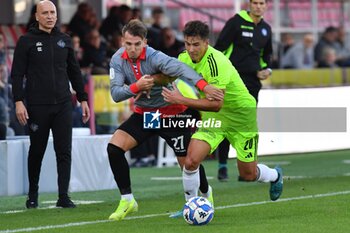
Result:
x=248 y=46
x=48 y=63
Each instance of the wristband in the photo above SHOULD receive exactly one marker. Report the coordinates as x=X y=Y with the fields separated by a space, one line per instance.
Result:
x=134 y=89
x=201 y=84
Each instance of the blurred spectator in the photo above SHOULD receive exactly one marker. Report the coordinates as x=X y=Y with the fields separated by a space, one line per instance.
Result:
x=94 y=22
x=77 y=111
x=3 y=66
x=275 y=58
x=344 y=52
x=32 y=18
x=118 y=16
x=64 y=28
x=300 y=55
x=280 y=48
x=78 y=50
x=343 y=38
x=14 y=123
x=4 y=116
x=111 y=24
x=7 y=108
x=328 y=39
x=136 y=13
x=80 y=24
x=329 y=58
x=2 y=51
x=95 y=53
x=169 y=44
x=287 y=41
x=114 y=44
x=125 y=14
x=153 y=36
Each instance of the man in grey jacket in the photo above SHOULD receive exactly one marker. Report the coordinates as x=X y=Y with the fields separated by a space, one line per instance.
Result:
x=301 y=55
x=132 y=67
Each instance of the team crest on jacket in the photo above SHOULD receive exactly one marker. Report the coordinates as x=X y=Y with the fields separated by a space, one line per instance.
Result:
x=264 y=32
x=61 y=43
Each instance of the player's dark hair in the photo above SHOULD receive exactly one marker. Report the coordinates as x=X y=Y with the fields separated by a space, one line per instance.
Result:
x=196 y=28
x=136 y=28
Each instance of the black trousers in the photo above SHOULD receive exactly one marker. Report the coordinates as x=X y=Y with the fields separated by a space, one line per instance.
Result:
x=253 y=84
x=42 y=118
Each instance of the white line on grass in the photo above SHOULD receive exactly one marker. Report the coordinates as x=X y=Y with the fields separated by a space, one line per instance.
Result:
x=173 y=178
x=284 y=200
x=161 y=178
x=346 y=161
x=30 y=229
x=79 y=202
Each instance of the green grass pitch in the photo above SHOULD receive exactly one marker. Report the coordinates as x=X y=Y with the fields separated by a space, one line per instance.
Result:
x=316 y=198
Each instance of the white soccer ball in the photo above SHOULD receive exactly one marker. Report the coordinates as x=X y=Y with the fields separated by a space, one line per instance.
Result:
x=198 y=211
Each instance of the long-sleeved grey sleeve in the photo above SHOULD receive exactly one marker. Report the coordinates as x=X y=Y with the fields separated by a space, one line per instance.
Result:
x=119 y=90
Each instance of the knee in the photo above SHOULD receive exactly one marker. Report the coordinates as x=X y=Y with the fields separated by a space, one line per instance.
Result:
x=191 y=163
x=110 y=148
x=113 y=150
x=181 y=161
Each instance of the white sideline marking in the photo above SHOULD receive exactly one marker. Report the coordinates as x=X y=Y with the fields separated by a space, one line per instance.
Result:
x=210 y=177
x=285 y=199
x=79 y=202
x=173 y=178
x=12 y=212
x=30 y=229
x=346 y=161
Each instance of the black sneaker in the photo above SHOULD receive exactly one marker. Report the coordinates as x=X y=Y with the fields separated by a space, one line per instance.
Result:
x=222 y=174
x=65 y=203
x=32 y=203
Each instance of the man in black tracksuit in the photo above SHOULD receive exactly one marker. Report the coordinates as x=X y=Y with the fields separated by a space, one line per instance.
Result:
x=247 y=40
x=45 y=58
